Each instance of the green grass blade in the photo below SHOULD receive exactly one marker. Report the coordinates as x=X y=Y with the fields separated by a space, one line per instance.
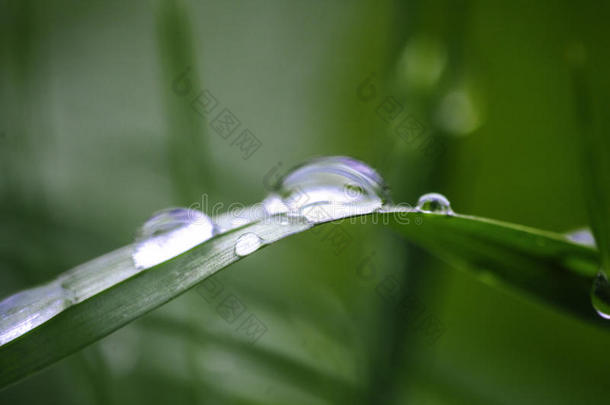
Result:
x=103 y=308
x=591 y=106
x=110 y=293
x=188 y=148
x=544 y=265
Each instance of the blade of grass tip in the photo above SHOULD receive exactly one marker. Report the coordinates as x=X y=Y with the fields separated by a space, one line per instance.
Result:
x=543 y=265
x=186 y=123
x=594 y=128
x=591 y=104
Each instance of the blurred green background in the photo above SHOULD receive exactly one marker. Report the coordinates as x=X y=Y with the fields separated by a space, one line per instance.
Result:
x=97 y=131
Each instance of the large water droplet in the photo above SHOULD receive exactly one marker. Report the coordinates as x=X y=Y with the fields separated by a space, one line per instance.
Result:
x=328 y=188
x=28 y=309
x=434 y=203
x=247 y=243
x=169 y=233
x=600 y=295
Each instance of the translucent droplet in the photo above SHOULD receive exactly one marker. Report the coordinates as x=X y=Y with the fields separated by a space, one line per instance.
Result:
x=169 y=233
x=600 y=295
x=582 y=236
x=328 y=188
x=247 y=243
x=434 y=203
x=28 y=309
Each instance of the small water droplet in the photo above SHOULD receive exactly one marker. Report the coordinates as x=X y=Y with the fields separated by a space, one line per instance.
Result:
x=247 y=243
x=328 y=188
x=581 y=236
x=600 y=295
x=169 y=233
x=434 y=203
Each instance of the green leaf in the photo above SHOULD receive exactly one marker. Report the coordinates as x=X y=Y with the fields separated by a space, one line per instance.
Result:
x=591 y=105
x=544 y=265
x=187 y=146
x=109 y=301
x=110 y=292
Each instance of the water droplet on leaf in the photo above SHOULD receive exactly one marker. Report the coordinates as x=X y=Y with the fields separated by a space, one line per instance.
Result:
x=328 y=188
x=247 y=243
x=169 y=233
x=581 y=236
x=600 y=295
x=434 y=203
x=28 y=309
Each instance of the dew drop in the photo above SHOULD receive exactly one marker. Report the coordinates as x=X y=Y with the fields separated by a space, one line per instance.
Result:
x=28 y=309
x=247 y=243
x=434 y=203
x=169 y=233
x=328 y=188
x=600 y=295
x=581 y=236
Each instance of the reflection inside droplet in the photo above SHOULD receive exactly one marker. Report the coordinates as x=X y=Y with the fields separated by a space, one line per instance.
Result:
x=169 y=233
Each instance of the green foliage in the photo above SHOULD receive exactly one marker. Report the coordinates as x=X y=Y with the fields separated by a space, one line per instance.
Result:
x=546 y=265
x=93 y=138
